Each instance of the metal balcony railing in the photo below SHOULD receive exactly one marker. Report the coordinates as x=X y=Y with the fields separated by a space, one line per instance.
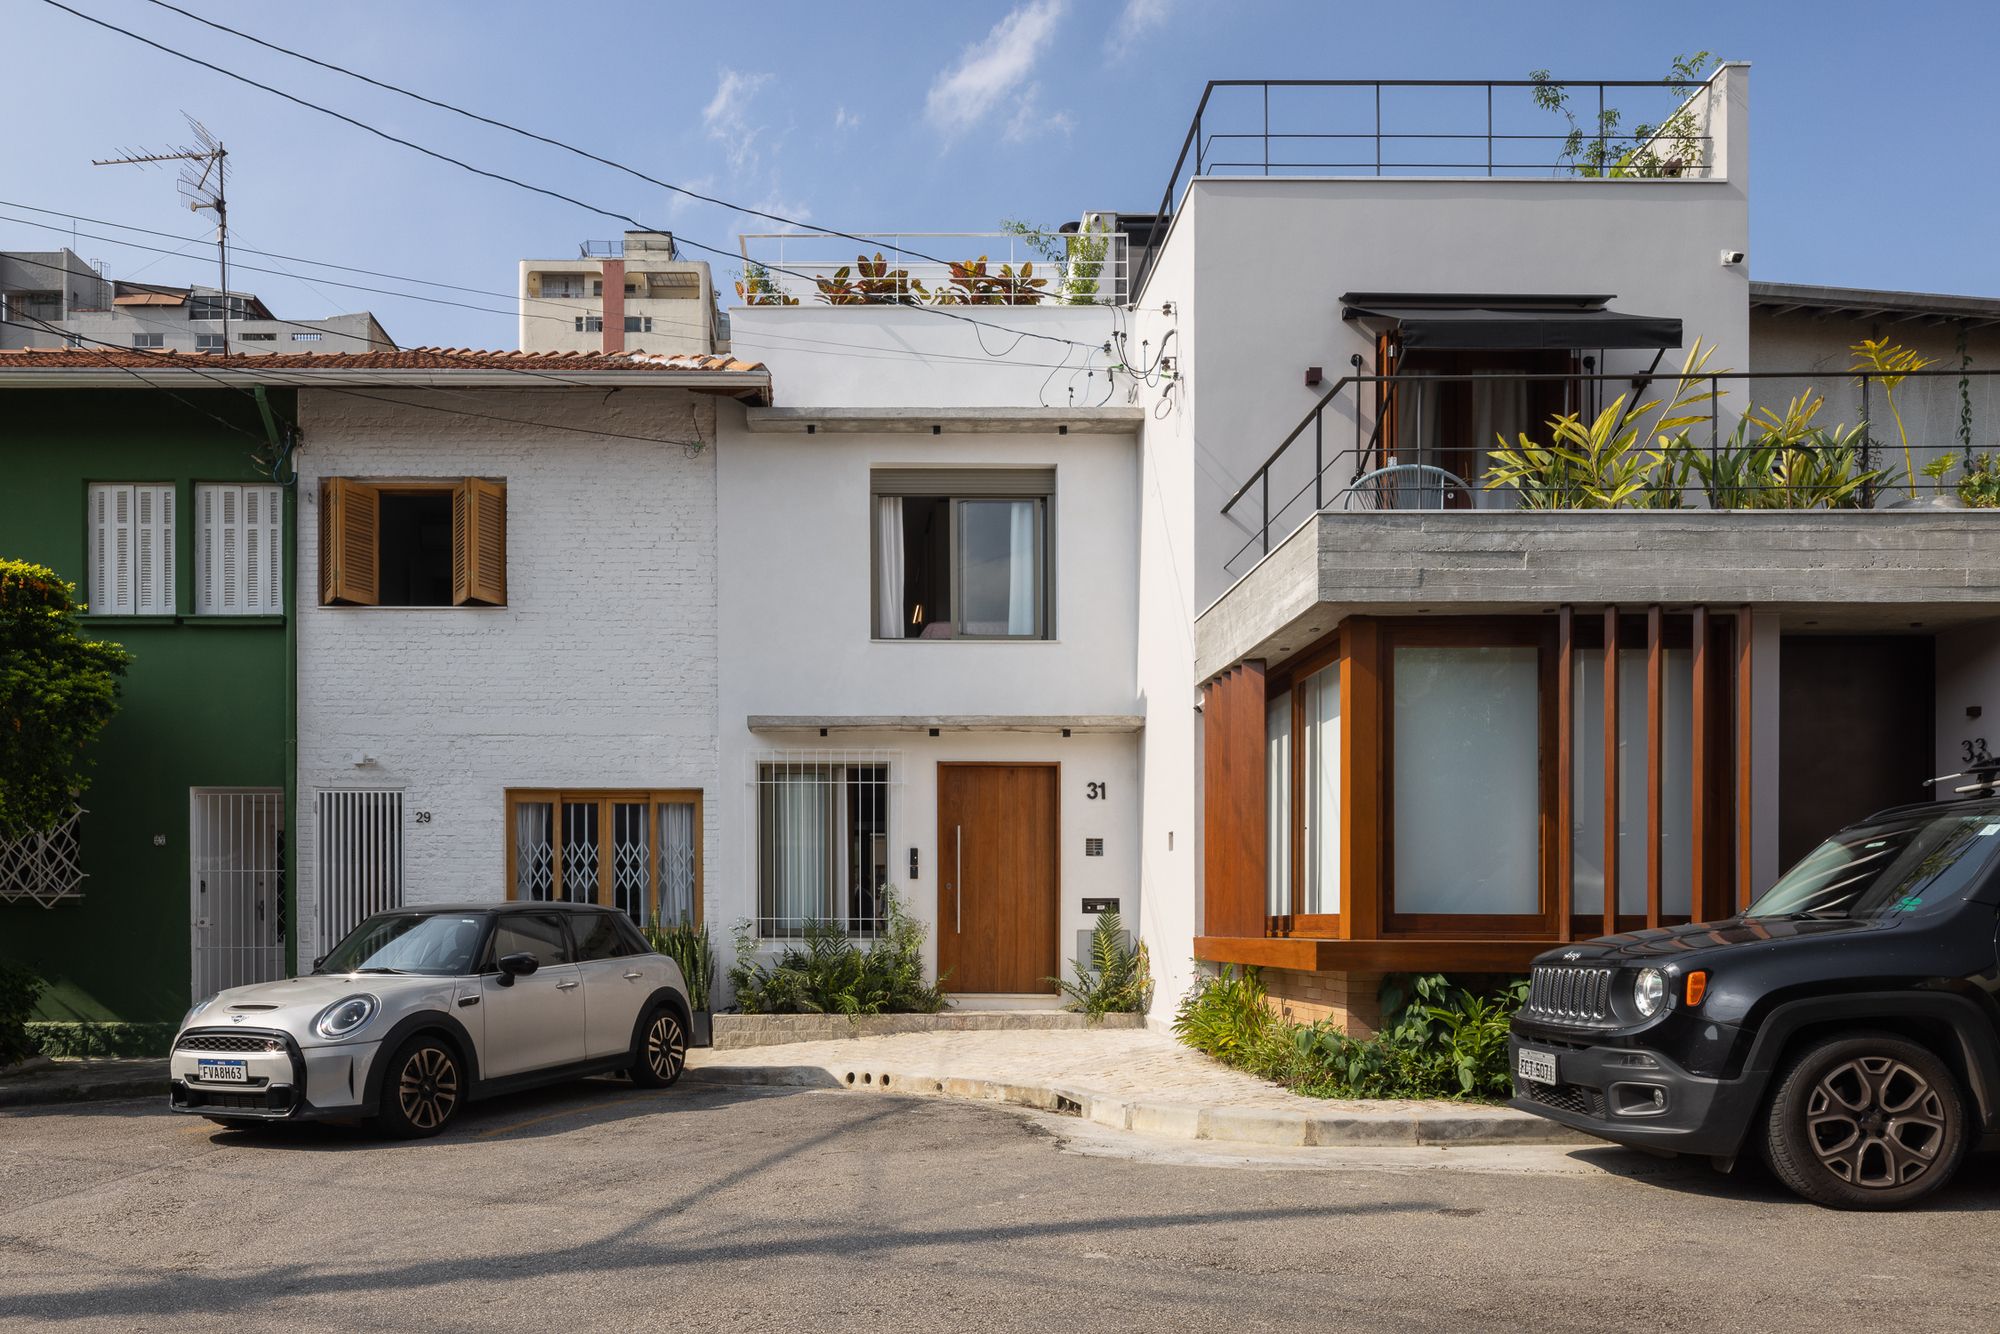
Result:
x=1797 y=440
x=934 y=268
x=1442 y=127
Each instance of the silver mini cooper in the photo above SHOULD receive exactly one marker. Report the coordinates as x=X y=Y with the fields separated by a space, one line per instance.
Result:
x=417 y=1012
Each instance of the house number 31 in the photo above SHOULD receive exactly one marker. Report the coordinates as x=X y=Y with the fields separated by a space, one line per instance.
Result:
x=1093 y=791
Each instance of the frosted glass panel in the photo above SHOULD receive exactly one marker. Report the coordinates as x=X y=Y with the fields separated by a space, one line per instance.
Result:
x=1278 y=805
x=1319 y=705
x=1676 y=779
x=1467 y=753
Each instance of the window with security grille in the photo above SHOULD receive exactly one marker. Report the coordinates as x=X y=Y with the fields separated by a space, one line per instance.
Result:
x=131 y=549
x=209 y=343
x=637 y=851
x=360 y=846
x=822 y=842
x=239 y=551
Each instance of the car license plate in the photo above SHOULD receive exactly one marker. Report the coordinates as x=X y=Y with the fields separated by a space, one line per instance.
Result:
x=224 y=1072
x=1536 y=1066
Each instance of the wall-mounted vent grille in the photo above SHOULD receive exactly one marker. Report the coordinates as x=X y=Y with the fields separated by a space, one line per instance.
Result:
x=1093 y=847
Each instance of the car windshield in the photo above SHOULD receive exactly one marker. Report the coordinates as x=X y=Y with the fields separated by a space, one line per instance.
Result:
x=437 y=944
x=1910 y=864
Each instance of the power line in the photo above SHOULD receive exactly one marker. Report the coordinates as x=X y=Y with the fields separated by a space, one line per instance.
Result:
x=294 y=259
x=41 y=325
x=511 y=180
x=277 y=375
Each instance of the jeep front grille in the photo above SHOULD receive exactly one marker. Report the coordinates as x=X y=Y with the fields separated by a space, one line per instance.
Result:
x=1580 y=996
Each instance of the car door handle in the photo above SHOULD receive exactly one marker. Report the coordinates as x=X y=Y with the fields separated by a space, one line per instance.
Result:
x=633 y=977
x=565 y=986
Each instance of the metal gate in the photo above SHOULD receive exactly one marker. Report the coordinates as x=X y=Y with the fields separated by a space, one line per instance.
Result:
x=236 y=849
x=360 y=836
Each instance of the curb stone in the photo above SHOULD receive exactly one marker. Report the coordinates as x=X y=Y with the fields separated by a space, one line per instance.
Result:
x=1305 y=1127
x=104 y=1090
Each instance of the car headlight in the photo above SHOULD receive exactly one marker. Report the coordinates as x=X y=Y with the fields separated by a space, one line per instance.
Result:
x=197 y=1008
x=1649 y=992
x=344 y=1017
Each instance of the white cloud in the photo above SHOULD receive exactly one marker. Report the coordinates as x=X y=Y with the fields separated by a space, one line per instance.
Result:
x=1138 y=20
x=995 y=69
x=1029 y=119
x=844 y=120
x=727 y=114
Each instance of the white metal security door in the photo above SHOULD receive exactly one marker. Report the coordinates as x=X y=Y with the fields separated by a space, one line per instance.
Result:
x=236 y=842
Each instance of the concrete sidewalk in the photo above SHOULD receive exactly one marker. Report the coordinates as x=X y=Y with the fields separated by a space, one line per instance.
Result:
x=1130 y=1079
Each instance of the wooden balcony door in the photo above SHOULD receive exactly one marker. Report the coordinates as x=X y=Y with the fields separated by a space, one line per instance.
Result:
x=998 y=836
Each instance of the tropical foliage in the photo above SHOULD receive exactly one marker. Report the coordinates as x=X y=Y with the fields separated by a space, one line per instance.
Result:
x=1117 y=979
x=1444 y=1041
x=1783 y=461
x=825 y=972
x=57 y=692
x=688 y=945
x=1887 y=364
x=757 y=288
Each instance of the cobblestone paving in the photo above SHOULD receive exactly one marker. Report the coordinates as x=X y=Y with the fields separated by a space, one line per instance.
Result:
x=1134 y=1064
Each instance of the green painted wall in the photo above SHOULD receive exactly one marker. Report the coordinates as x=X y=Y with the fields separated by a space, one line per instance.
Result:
x=205 y=704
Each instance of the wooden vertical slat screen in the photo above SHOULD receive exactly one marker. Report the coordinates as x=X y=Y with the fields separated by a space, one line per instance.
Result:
x=1698 y=822
x=1233 y=781
x=479 y=543
x=1361 y=772
x=1565 y=770
x=1656 y=680
x=1610 y=771
x=1744 y=628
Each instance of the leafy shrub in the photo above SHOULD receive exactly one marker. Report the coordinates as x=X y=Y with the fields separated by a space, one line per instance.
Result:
x=100 y=1041
x=19 y=989
x=1979 y=488
x=689 y=946
x=57 y=692
x=1445 y=1041
x=1117 y=980
x=827 y=973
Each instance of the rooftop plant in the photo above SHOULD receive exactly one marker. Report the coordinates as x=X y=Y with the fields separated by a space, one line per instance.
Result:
x=870 y=282
x=757 y=288
x=1671 y=148
x=1888 y=364
x=1784 y=461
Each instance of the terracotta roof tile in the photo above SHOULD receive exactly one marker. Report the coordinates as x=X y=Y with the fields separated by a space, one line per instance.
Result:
x=411 y=358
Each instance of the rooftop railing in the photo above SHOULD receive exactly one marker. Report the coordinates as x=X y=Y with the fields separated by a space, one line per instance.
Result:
x=1441 y=127
x=1731 y=440
x=933 y=268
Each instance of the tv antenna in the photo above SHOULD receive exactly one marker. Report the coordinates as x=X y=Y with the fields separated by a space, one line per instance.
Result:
x=203 y=164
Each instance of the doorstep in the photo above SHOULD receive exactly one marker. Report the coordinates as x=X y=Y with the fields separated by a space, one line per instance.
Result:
x=737 y=1031
x=1132 y=1080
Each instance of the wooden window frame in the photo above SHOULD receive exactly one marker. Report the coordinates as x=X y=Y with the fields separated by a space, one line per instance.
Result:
x=350 y=537
x=1038 y=486
x=605 y=798
x=1322 y=654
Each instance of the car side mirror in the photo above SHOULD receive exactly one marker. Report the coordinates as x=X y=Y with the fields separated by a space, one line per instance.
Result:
x=516 y=965
x=320 y=960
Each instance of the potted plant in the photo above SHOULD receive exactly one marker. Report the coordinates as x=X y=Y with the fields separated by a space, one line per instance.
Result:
x=687 y=944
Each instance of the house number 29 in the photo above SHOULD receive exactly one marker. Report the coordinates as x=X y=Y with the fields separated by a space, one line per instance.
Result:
x=423 y=817
x=1093 y=791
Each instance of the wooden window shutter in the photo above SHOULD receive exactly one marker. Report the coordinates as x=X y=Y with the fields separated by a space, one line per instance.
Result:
x=350 y=525
x=479 y=543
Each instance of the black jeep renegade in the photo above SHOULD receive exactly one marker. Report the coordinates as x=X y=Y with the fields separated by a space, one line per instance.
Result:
x=1846 y=1025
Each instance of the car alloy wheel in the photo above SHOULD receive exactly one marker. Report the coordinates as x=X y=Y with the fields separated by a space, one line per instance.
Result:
x=1875 y=1123
x=666 y=1047
x=427 y=1088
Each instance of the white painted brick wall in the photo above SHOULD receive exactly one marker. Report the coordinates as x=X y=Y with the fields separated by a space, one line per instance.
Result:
x=600 y=671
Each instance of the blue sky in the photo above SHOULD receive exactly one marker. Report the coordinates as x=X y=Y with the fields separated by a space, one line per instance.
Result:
x=1873 y=138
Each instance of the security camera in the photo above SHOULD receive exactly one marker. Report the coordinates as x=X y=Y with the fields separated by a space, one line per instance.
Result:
x=1731 y=258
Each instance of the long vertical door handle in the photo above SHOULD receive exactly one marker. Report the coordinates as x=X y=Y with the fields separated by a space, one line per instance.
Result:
x=958 y=875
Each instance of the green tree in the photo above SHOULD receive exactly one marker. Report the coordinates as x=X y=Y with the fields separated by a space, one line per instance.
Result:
x=57 y=691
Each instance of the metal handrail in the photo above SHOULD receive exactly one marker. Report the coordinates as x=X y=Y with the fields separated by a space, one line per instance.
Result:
x=1197 y=145
x=1314 y=420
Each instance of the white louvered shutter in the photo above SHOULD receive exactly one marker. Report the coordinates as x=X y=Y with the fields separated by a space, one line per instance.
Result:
x=239 y=551
x=131 y=550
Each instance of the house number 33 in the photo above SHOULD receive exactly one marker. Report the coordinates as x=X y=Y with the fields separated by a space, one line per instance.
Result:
x=1093 y=791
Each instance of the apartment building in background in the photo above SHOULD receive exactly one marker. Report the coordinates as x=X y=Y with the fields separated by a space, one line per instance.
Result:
x=634 y=294
x=57 y=298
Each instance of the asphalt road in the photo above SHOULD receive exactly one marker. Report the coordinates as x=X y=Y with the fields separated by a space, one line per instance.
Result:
x=598 y=1207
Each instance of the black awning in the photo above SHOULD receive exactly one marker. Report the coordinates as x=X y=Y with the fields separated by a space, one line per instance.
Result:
x=1508 y=323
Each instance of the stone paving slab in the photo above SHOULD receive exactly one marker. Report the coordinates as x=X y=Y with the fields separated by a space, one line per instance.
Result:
x=1129 y=1079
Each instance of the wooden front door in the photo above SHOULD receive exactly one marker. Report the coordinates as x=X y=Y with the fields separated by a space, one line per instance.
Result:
x=997 y=877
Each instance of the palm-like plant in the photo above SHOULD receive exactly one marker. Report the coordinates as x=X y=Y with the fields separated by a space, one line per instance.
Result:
x=1117 y=980
x=1887 y=364
x=1781 y=460
x=1602 y=464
